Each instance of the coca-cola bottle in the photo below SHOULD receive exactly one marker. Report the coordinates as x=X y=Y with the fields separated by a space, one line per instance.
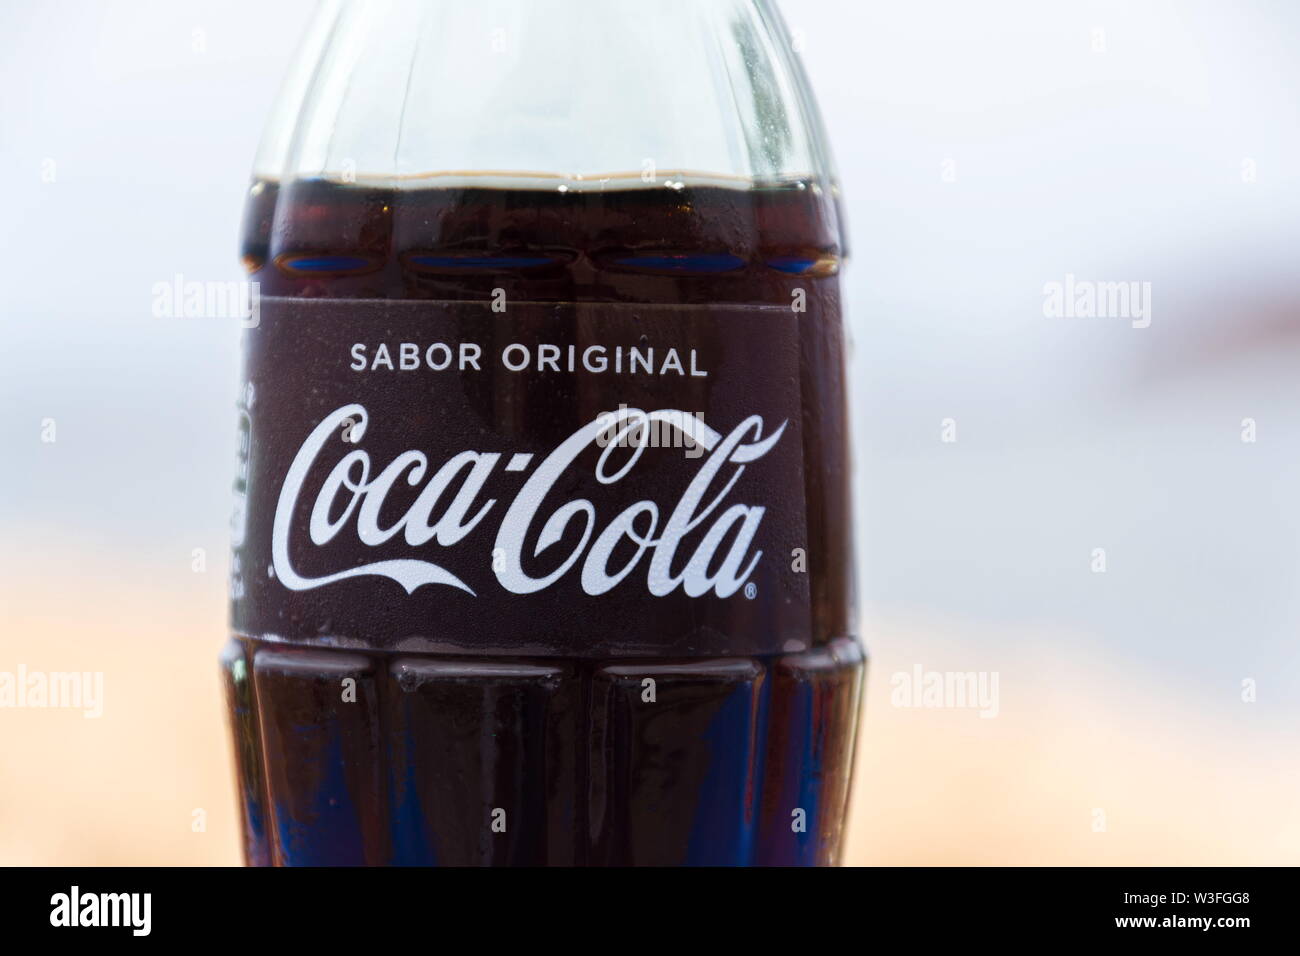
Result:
x=543 y=546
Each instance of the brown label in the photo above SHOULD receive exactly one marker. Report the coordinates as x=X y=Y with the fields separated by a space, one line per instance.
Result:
x=571 y=480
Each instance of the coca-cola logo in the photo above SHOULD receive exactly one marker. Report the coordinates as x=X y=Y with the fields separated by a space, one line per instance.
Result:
x=352 y=497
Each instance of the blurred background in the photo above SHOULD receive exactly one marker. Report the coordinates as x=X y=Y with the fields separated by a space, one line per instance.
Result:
x=1148 y=712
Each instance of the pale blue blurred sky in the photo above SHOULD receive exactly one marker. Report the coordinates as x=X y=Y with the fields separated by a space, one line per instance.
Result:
x=1072 y=434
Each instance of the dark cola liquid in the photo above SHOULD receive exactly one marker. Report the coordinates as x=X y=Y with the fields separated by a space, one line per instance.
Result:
x=556 y=758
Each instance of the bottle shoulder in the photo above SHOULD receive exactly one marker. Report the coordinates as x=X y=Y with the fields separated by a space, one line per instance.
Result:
x=654 y=242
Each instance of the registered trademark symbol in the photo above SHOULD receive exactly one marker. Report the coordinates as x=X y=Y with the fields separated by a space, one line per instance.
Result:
x=751 y=590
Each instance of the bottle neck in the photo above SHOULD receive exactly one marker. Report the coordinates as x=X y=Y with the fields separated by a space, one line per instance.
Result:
x=393 y=92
